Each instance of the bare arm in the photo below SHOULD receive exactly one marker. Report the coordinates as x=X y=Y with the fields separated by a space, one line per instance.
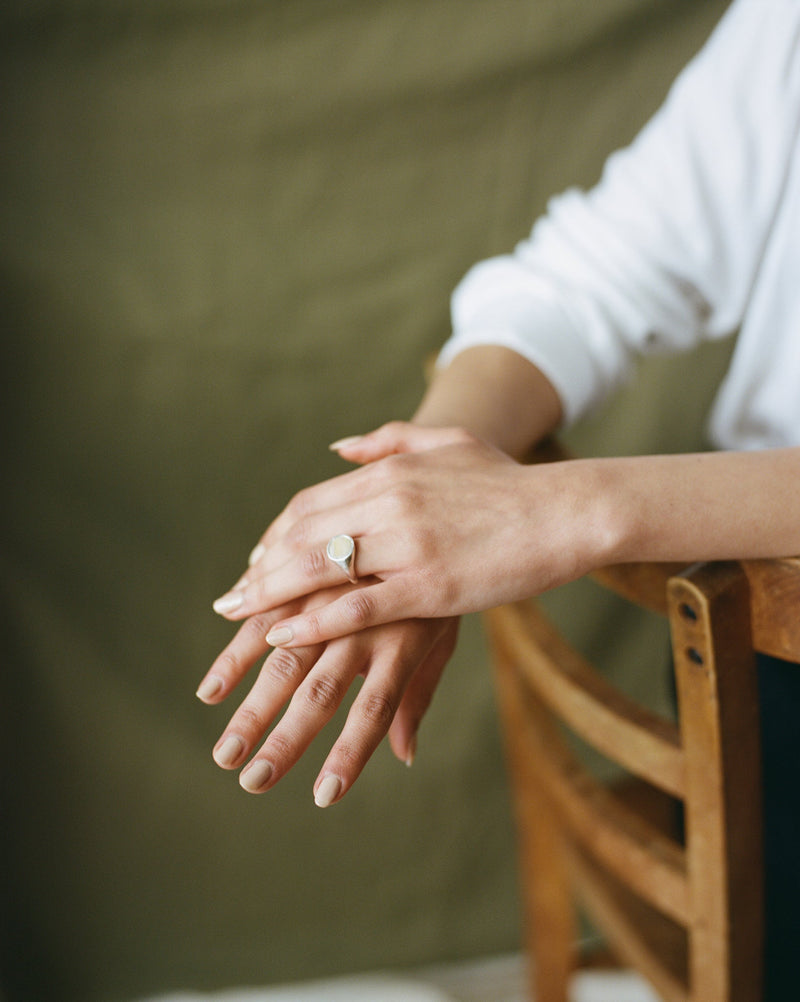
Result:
x=705 y=506
x=495 y=394
x=447 y=524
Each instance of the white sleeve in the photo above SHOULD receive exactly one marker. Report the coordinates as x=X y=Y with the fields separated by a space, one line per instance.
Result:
x=663 y=251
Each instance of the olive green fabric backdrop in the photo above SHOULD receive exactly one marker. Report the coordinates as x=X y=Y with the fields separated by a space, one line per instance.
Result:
x=229 y=232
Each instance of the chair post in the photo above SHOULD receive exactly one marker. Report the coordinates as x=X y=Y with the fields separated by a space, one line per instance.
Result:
x=551 y=930
x=709 y=611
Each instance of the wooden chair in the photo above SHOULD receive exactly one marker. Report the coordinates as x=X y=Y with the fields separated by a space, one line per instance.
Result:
x=687 y=912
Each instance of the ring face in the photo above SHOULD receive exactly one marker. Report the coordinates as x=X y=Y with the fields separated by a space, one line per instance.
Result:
x=341 y=550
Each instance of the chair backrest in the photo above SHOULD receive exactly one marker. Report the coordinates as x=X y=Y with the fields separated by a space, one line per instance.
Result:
x=702 y=894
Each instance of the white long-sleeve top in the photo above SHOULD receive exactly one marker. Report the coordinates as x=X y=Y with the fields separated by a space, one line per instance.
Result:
x=692 y=233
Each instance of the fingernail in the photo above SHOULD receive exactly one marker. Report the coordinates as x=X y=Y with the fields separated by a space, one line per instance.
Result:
x=256 y=776
x=345 y=443
x=412 y=751
x=257 y=554
x=229 y=751
x=282 y=635
x=209 y=687
x=228 y=602
x=327 y=791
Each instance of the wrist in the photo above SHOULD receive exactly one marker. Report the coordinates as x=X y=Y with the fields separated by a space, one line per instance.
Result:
x=577 y=503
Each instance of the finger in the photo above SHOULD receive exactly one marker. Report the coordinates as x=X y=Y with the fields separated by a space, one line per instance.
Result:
x=281 y=675
x=300 y=549
x=372 y=713
x=264 y=591
x=419 y=693
x=359 y=609
x=395 y=437
x=311 y=707
x=304 y=571
x=240 y=655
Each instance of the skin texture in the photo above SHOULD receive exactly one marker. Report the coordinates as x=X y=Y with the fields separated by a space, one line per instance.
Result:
x=447 y=522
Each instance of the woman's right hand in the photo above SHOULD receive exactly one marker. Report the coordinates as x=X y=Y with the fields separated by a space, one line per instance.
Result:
x=445 y=525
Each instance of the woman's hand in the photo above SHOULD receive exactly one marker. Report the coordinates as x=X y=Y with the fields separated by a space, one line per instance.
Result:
x=454 y=526
x=401 y=664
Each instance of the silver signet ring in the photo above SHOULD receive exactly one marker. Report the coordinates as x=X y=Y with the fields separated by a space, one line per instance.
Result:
x=342 y=551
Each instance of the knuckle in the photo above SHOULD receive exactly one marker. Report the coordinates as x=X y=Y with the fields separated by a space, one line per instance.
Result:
x=421 y=545
x=312 y=624
x=286 y=667
x=359 y=608
x=390 y=431
x=378 y=710
x=349 y=757
x=314 y=564
x=400 y=500
x=297 y=533
x=254 y=630
x=324 y=693
x=258 y=592
x=228 y=664
x=281 y=748
x=248 y=720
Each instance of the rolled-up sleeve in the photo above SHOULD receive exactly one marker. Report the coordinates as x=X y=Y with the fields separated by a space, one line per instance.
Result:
x=662 y=253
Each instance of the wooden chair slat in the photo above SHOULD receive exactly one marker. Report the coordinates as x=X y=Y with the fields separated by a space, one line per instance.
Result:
x=635 y=851
x=624 y=731
x=624 y=926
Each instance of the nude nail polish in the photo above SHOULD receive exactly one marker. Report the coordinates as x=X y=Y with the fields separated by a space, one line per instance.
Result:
x=282 y=635
x=209 y=688
x=229 y=751
x=327 y=791
x=256 y=776
x=345 y=443
x=257 y=554
x=229 y=602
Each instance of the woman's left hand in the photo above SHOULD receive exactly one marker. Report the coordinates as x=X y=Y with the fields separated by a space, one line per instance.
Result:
x=401 y=664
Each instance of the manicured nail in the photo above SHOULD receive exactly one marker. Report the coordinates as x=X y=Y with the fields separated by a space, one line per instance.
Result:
x=282 y=635
x=228 y=602
x=412 y=751
x=257 y=554
x=209 y=688
x=327 y=791
x=256 y=776
x=345 y=443
x=229 y=751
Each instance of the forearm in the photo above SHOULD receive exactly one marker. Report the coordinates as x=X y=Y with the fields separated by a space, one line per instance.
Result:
x=694 y=507
x=497 y=395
